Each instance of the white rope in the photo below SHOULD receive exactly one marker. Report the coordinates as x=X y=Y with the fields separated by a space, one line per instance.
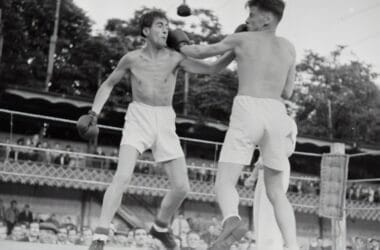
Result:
x=187 y=139
x=156 y=189
x=365 y=209
x=363 y=180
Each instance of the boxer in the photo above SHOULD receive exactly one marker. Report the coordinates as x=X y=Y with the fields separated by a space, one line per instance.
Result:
x=149 y=123
x=266 y=70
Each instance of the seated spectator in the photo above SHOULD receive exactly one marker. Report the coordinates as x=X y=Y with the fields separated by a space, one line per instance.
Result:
x=18 y=234
x=130 y=238
x=180 y=225
x=48 y=233
x=26 y=215
x=62 y=238
x=3 y=231
x=29 y=153
x=73 y=237
x=121 y=238
x=34 y=232
x=55 y=155
x=210 y=235
x=192 y=241
x=99 y=162
x=35 y=140
x=86 y=238
x=45 y=156
x=140 y=238
x=53 y=219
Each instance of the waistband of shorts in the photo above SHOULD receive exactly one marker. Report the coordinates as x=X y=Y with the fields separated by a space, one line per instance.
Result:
x=151 y=107
x=258 y=100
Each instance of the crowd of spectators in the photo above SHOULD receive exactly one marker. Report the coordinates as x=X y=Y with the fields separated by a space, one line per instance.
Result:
x=367 y=193
x=191 y=233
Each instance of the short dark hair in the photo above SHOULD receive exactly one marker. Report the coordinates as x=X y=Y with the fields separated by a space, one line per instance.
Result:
x=148 y=18
x=276 y=7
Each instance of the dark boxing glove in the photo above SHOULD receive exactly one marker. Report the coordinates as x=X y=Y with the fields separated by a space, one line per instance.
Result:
x=241 y=28
x=177 y=38
x=86 y=126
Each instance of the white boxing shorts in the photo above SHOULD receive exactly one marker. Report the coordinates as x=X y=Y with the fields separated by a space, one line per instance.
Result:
x=263 y=122
x=152 y=127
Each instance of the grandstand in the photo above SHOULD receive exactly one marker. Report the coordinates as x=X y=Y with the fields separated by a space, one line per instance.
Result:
x=71 y=187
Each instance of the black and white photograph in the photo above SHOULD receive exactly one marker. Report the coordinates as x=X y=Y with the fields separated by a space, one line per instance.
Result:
x=189 y=125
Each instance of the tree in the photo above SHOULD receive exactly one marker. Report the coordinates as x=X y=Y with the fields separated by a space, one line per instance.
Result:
x=348 y=86
x=28 y=25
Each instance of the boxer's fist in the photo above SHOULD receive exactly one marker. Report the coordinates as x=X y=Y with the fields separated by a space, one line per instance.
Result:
x=86 y=126
x=241 y=28
x=177 y=38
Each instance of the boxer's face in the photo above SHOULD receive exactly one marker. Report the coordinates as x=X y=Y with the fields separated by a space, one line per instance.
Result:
x=158 y=33
x=257 y=19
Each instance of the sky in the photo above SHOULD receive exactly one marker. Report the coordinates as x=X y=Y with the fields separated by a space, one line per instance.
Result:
x=318 y=25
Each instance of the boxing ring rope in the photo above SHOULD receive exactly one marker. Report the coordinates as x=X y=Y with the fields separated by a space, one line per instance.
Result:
x=186 y=139
x=83 y=155
x=105 y=157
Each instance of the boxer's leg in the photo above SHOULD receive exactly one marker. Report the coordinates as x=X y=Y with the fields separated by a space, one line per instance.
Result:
x=282 y=208
x=114 y=193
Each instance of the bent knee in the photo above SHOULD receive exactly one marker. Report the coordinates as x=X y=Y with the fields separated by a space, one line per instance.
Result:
x=182 y=189
x=121 y=180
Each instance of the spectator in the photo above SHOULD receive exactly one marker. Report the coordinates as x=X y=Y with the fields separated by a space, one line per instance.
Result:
x=140 y=238
x=18 y=234
x=99 y=162
x=180 y=225
x=55 y=155
x=192 y=240
x=3 y=231
x=371 y=195
x=62 y=236
x=315 y=244
x=73 y=237
x=53 y=219
x=210 y=235
x=26 y=215
x=35 y=140
x=45 y=156
x=131 y=238
x=48 y=233
x=121 y=238
x=2 y=211
x=11 y=216
x=86 y=236
x=34 y=232
x=299 y=187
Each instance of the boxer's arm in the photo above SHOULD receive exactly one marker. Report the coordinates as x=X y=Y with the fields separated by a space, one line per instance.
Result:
x=106 y=87
x=200 y=67
x=289 y=85
x=203 y=51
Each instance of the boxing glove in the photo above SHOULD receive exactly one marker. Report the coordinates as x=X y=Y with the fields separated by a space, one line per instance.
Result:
x=86 y=126
x=241 y=28
x=177 y=38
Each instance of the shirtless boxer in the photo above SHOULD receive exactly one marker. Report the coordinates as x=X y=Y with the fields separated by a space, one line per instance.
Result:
x=266 y=70
x=149 y=123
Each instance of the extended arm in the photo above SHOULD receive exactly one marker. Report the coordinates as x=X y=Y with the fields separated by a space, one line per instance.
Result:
x=203 y=51
x=105 y=89
x=200 y=67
